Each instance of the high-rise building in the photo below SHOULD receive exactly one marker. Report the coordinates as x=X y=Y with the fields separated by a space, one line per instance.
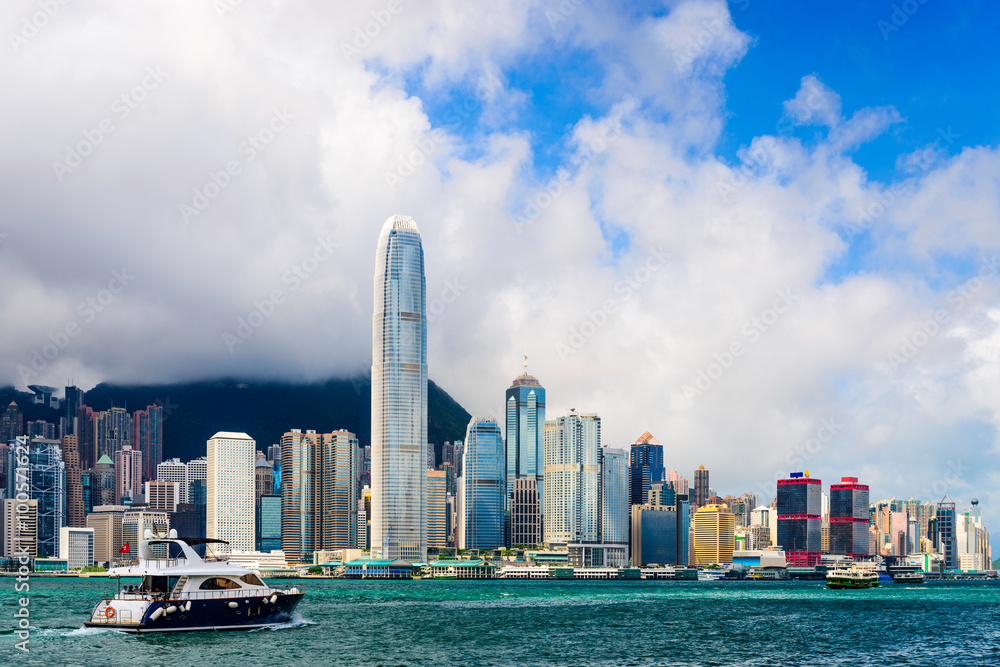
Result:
x=173 y=470
x=197 y=481
x=46 y=476
x=76 y=516
x=481 y=488
x=614 y=498
x=525 y=514
x=102 y=483
x=189 y=520
x=319 y=492
x=525 y=437
x=945 y=523
x=230 y=490
x=437 y=507
x=714 y=535
x=76 y=546
x=20 y=528
x=11 y=423
x=86 y=436
x=274 y=454
x=106 y=520
x=799 y=509
x=263 y=478
x=399 y=394
x=72 y=402
x=147 y=437
x=128 y=473
x=136 y=522
x=41 y=429
x=700 y=487
x=645 y=467
x=849 y=518
x=162 y=496
x=113 y=432
x=572 y=479
x=660 y=535
x=268 y=523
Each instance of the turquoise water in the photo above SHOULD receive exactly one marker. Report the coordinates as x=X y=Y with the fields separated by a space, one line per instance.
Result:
x=545 y=623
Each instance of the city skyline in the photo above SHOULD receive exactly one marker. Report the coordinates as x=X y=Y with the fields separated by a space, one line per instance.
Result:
x=771 y=251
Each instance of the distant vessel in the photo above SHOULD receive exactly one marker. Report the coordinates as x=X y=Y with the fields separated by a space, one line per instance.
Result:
x=908 y=578
x=711 y=575
x=852 y=577
x=186 y=592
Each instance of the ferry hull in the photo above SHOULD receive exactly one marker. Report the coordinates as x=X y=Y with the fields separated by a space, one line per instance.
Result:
x=842 y=583
x=216 y=614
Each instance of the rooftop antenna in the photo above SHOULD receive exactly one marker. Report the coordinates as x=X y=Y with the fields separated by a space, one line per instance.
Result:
x=525 y=362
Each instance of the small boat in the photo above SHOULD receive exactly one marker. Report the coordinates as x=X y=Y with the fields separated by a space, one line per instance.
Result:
x=181 y=591
x=852 y=577
x=711 y=575
x=908 y=578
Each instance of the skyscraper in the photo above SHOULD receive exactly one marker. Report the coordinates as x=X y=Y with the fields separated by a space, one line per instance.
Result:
x=946 y=543
x=714 y=535
x=11 y=423
x=72 y=402
x=525 y=442
x=113 y=431
x=799 y=505
x=849 y=517
x=645 y=467
x=399 y=394
x=46 y=476
x=319 y=492
x=700 y=487
x=614 y=498
x=572 y=479
x=525 y=514
x=437 y=507
x=75 y=515
x=230 y=490
x=128 y=473
x=147 y=437
x=481 y=488
x=172 y=470
x=86 y=436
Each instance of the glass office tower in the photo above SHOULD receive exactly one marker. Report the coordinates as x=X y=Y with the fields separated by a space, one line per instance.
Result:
x=399 y=394
x=481 y=487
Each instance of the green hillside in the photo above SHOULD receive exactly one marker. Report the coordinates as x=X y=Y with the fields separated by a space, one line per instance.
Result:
x=194 y=412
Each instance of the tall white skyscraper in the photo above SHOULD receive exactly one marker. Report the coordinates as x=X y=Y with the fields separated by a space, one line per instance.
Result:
x=572 y=478
x=399 y=394
x=173 y=470
x=229 y=515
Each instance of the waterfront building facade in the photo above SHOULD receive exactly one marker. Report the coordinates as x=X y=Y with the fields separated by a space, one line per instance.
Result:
x=76 y=547
x=614 y=498
x=525 y=444
x=230 y=490
x=437 y=507
x=799 y=518
x=572 y=479
x=849 y=518
x=525 y=514
x=714 y=535
x=399 y=394
x=482 y=487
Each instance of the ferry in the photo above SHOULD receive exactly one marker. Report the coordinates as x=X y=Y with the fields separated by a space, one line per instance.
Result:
x=181 y=591
x=908 y=577
x=852 y=577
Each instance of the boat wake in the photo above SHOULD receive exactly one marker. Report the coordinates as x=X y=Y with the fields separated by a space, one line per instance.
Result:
x=296 y=621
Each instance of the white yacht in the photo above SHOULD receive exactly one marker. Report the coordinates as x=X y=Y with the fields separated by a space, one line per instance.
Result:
x=181 y=591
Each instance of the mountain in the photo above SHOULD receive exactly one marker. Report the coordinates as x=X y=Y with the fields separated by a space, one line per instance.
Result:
x=194 y=412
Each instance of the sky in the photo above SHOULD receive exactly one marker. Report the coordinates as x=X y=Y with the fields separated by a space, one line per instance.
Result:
x=766 y=232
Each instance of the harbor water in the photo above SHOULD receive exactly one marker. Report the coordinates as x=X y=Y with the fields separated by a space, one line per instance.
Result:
x=350 y=622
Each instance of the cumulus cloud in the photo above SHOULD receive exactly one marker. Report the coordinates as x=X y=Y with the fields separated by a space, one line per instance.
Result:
x=220 y=218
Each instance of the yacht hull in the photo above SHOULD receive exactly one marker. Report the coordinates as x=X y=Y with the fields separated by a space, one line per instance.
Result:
x=216 y=614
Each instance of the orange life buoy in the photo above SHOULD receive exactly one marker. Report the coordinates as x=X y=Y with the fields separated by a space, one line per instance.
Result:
x=109 y=612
